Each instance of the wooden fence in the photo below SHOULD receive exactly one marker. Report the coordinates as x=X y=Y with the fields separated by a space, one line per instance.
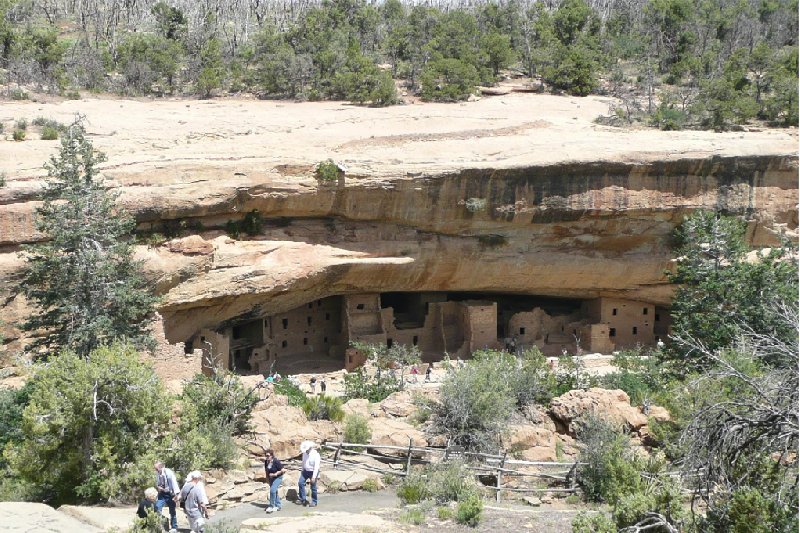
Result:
x=559 y=475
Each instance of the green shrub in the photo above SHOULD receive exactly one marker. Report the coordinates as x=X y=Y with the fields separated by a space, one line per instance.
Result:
x=221 y=398
x=414 y=488
x=49 y=133
x=72 y=95
x=586 y=522
x=334 y=486
x=451 y=482
x=360 y=385
x=18 y=135
x=18 y=94
x=251 y=223
x=356 y=429
x=295 y=394
x=445 y=512
x=152 y=523
x=323 y=408
x=669 y=118
x=413 y=516
x=469 y=511
x=201 y=446
x=76 y=456
x=21 y=124
x=448 y=80
x=327 y=171
x=371 y=485
x=612 y=470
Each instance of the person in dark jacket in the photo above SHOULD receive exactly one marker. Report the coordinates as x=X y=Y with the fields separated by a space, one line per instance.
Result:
x=275 y=473
x=148 y=504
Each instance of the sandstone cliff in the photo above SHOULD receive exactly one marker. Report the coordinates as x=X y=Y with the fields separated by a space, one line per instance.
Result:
x=515 y=194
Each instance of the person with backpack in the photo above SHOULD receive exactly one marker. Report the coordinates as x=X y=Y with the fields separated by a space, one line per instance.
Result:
x=168 y=488
x=309 y=473
x=194 y=501
x=275 y=471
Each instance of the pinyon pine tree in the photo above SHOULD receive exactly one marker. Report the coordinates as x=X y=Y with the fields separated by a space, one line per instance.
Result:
x=87 y=288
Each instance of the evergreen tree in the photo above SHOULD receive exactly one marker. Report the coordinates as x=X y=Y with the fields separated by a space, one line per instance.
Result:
x=87 y=288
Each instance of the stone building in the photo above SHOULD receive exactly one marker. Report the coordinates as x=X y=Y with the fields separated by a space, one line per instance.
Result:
x=319 y=332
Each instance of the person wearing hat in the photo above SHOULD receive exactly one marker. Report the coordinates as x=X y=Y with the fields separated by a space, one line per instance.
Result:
x=193 y=494
x=309 y=473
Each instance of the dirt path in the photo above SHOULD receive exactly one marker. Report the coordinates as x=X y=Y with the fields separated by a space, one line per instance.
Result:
x=382 y=512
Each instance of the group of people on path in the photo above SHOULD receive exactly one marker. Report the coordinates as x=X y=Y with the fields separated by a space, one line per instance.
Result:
x=191 y=497
x=309 y=475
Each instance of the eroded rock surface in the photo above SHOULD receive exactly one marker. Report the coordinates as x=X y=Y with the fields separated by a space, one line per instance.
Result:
x=517 y=193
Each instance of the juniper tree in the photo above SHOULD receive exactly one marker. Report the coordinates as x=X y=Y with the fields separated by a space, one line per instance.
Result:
x=87 y=288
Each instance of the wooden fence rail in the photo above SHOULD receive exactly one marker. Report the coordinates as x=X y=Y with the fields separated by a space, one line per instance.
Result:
x=346 y=456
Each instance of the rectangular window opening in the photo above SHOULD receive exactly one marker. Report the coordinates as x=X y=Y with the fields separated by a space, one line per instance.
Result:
x=614 y=311
x=305 y=341
x=612 y=332
x=284 y=344
x=522 y=331
x=644 y=310
x=285 y=323
x=415 y=340
x=308 y=319
x=389 y=343
x=634 y=330
x=360 y=306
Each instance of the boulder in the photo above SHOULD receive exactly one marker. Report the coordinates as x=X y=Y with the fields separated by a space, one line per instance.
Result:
x=395 y=432
x=357 y=406
x=524 y=436
x=191 y=245
x=343 y=479
x=613 y=405
x=399 y=404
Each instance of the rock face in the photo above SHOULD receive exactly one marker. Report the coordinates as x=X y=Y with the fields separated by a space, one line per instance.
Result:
x=613 y=405
x=489 y=200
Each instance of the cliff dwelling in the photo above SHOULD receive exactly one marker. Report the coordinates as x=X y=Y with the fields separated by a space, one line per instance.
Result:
x=316 y=334
x=538 y=229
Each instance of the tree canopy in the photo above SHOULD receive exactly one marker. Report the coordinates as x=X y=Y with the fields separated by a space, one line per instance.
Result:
x=86 y=288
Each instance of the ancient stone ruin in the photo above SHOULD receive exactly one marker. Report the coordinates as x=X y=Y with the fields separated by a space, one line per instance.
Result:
x=510 y=222
x=437 y=323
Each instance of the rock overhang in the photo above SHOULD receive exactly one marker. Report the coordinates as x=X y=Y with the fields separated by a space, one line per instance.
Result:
x=485 y=196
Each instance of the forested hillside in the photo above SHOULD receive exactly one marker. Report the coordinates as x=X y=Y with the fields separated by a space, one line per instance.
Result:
x=673 y=63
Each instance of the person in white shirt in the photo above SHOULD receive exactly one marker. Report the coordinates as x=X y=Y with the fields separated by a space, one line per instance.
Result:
x=168 y=489
x=194 y=495
x=309 y=473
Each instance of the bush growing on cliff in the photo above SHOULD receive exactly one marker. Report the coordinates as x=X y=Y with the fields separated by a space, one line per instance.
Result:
x=356 y=429
x=323 y=407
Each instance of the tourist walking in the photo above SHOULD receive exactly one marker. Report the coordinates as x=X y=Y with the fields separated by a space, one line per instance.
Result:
x=309 y=473
x=195 y=501
x=313 y=383
x=428 y=372
x=168 y=489
x=322 y=385
x=414 y=373
x=275 y=471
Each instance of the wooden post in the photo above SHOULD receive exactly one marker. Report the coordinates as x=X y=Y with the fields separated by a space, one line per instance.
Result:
x=336 y=456
x=408 y=458
x=500 y=475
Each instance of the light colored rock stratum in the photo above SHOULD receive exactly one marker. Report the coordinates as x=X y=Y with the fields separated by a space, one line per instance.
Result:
x=518 y=193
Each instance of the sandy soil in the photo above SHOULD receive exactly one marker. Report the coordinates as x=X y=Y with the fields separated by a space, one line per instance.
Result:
x=175 y=140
